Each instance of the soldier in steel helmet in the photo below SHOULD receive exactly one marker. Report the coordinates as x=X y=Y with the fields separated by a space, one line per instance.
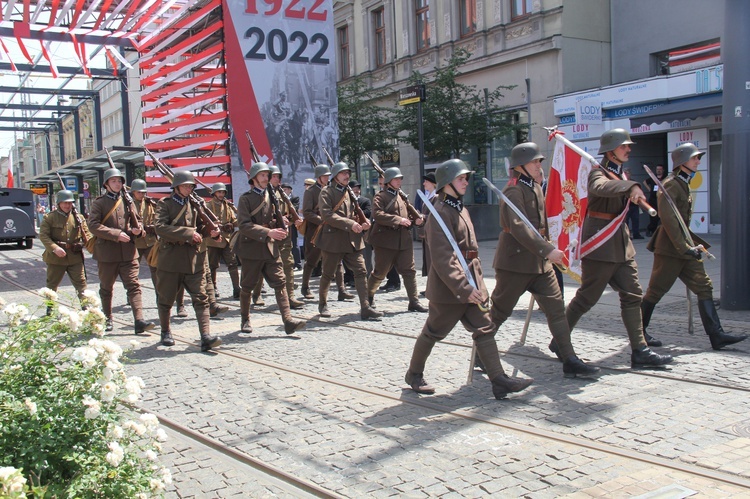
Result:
x=391 y=239
x=182 y=258
x=340 y=237
x=146 y=208
x=262 y=232
x=115 y=251
x=452 y=297
x=63 y=244
x=523 y=260
x=219 y=250
x=311 y=214
x=613 y=261
x=677 y=254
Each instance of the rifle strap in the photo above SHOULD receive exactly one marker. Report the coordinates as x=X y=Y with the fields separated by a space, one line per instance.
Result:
x=393 y=201
x=114 y=208
x=260 y=206
x=335 y=209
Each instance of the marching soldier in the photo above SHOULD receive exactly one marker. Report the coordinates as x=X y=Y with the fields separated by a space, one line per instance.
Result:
x=114 y=250
x=181 y=259
x=220 y=250
x=677 y=256
x=311 y=214
x=391 y=239
x=63 y=244
x=340 y=238
x=287 y=259
x=146 y=208
x=452 y=298
x=523 y=260
x=613 y=260
x=262 y=232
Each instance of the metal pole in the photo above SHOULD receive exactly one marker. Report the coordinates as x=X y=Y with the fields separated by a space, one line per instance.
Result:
x=421 y=133
x=735 y=215
x=528 y=321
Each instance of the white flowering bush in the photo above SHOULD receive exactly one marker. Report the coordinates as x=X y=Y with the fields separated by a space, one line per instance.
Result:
x=64 y=431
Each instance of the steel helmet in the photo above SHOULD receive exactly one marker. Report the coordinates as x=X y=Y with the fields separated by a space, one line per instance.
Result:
x=256 y=169
x=138 y=185
x=218 y=186
x=321 y=170
x=65 y=196
x=391 y=173
x=338 y=168
x=684 y=153
x=524 y=153
x=612 y=139
x=448 y=171
x=113 y=172
x=182 y=178
x=275 y=170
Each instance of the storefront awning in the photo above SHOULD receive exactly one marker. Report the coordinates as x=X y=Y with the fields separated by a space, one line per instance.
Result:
x=708 y=105
x=89 y=167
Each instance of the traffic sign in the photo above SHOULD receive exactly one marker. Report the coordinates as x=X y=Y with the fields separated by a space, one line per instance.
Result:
x=412 y=94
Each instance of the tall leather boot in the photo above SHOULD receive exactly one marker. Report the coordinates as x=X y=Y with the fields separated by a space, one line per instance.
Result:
x=647 y=309
x=305 y=290
x=164 y=322
x=291 y=325
x=712 y=325
x=234 y=275
x=208 y=341
x=180 y=301
x=107 y=310
x=325 y=283
x=213 y=277
x=257 y=298
x=415 y=375
x=410 y=283
x=289 y=275
x=641 y=355
x=365 y=311
x=572 y=365
x=343 y=293
x=373 y=283
x=245 y=326
x=502 y=384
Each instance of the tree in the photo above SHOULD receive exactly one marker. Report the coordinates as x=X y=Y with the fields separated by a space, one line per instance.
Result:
x=364 y=126
x=455 y=117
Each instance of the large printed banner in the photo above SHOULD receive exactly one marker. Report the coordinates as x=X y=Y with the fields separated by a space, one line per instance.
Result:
x=281 y=78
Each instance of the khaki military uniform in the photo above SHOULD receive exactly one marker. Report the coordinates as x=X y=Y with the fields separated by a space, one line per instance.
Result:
x=146 y=208
x=181 y=263
x=59 y=230
x=613 y=263
x=392 y=242
x=669 y=245
x=311 y=214
x=521 y=265
x=448 y=289
x=115 y=258
x=220 y=250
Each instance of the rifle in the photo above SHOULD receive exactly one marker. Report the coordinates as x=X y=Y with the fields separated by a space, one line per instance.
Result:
x=74 y=211
x=253 y=150
x=413 y=213
x=361 y=218
x=197 y=202
x=312 y=158
x=210 y=191
x=135 y=219
x=272 y=193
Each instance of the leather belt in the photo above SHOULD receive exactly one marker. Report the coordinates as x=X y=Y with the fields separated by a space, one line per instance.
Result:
x=74 y=247
x=602 y=216
x=178 y=243
x=470 y=254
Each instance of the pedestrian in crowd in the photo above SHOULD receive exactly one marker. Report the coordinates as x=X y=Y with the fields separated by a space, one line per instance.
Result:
x=182 y=258
x=262 y=232
x=634 y=214
x=40 y=211
x=452 y=297
x=313 y=255
x=146 y=208
x=288 y=190
x=391 y=239
x=651 y=187
x=366 y=205
x=220 y=250
x=393 y=279
x=523 y=259
x=677 y=254
x=613 y=260
x=341 y=238
x=114 y=249
x=62 y=237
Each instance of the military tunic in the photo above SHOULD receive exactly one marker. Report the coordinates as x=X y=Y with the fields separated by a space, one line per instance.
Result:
x=390 y=240
x=220 y=250
x=311 y=214
x=669 y=245
x=146 y=208
x=613 y=262
x=521 y=264
x=59 y=230
x=115 y=258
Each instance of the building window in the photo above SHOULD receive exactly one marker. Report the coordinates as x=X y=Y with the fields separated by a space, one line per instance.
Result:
x=422 y=8
x=519 y=9
x=378 y=22
x=468 y=15
x=344 y=51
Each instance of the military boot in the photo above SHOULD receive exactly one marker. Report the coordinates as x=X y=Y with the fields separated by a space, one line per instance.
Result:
x=323 y=291
x=343 y=293
x=488 y=355
x=573 y=366
x=258 y=301
x=215 y=309
x=294 y=303
x=503 y=384
x=142 y=326
x=305 y=290
x=245 y=326
x=373 y=283
x=647 y=309
x=422 y=349
x=180 y=302
x=107 y=311
x=213 y=282
x=291 y=325
x=645 y=357
x=712 y=325
x=166 y=338
x=208 y=341
x=410 y=283
x=164 y=320
x=365 y=311
x=234 y=275
x=108 y=325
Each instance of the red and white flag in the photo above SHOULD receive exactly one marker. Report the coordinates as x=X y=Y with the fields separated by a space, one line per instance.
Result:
x=9 y=183
x=567 y=199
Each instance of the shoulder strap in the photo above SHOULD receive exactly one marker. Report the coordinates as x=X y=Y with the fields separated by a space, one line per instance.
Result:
x=179 y=215
x=261 y=205
x=118 y=203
